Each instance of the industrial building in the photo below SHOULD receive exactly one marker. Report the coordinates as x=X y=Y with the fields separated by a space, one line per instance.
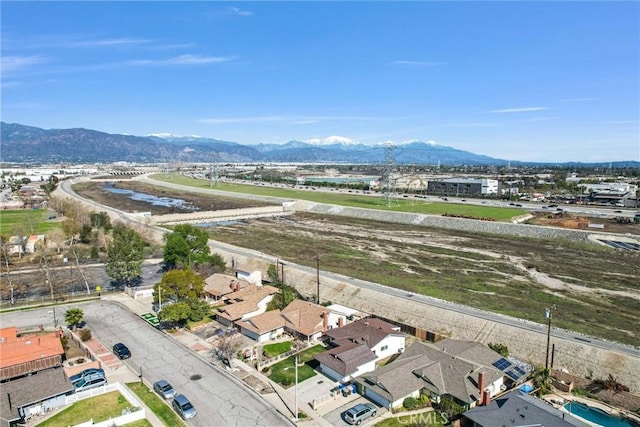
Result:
x=461 y=187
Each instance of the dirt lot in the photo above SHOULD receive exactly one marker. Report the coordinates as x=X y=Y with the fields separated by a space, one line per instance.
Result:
x=595 y=288
x=582 y=223
x=194 y=201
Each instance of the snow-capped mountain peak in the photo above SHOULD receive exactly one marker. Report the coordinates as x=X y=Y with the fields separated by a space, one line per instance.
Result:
x=334 y=139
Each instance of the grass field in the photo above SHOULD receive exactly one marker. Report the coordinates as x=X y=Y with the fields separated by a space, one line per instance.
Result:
x=156 y=404
x=284 y=372
x=26 y=222
x=98 y=408
x=355 y=200
x=272 y=350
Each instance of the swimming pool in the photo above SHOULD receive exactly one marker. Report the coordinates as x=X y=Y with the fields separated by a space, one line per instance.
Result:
x=596 y=415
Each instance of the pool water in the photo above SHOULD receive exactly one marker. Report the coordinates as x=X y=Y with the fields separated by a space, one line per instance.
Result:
x=596 y=415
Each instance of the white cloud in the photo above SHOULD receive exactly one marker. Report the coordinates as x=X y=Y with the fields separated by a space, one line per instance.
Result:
x=335 y=139
x=518 y=110
x=19 y=63
x=239 y=12
x=125 y=41
x=419 y=63
x=182 y=60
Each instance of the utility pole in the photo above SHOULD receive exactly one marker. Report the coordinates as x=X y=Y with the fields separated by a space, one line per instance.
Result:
x=547 y=314
x=296 y=415
x=318 y=279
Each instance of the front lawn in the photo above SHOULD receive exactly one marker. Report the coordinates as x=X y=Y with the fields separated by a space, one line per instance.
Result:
x=99 y=408
x=273 y=350
x=425 y=419
x=284 y=372
x=155 y=404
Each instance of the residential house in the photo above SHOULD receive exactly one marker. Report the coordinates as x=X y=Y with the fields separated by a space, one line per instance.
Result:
x=263 y=327
x=245 y=303
x=32 y=242
x=31 y=372
x=305 y=320
x=518 y=409
x=356 y=347
x=218 y=286
x=463 y=371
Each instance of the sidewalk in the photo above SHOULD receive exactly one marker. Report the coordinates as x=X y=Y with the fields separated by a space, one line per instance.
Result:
x=282 y=399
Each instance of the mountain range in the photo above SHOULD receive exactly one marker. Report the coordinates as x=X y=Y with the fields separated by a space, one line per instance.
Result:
x=28 y=144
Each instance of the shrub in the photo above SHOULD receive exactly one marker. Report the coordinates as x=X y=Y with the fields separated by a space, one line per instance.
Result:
x=85 y=334
x=410 y=403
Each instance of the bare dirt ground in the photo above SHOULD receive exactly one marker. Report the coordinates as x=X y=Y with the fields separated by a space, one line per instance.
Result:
x=582 y=223
x=195 y=201
x=595 y=287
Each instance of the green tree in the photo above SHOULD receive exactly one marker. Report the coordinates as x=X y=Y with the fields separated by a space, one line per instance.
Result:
x=186 y=245
x=178 y=285
x=541 y=380
x=100 y=220
x=125 y=254
x=501 y=349
x=74 y=317
x=177 y=313
x=199 y=310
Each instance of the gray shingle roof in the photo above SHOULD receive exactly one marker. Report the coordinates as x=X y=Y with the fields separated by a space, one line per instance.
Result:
x=346 y=358
x=516 y=409
x=32 y=389
x=370 y=331
x=427 y=366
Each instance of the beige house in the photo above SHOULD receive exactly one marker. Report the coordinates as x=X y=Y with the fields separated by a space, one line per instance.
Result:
x=263 y=327
x=218 y=285
x=245 y=303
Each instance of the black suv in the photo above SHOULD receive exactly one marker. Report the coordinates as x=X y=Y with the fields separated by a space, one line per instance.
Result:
x=121 y=351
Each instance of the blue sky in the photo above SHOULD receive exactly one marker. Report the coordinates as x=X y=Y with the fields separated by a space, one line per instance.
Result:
x=535 y=81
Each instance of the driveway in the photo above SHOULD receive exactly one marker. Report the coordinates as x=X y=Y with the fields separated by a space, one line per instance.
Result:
x=336 y=419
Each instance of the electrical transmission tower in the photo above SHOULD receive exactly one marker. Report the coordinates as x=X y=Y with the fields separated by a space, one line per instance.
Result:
x=388 y=174
x=213 y=171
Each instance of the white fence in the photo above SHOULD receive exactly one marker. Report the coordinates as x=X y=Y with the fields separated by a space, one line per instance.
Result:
x=137 y=412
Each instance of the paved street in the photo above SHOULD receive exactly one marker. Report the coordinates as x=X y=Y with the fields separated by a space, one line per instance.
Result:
x=220 y=398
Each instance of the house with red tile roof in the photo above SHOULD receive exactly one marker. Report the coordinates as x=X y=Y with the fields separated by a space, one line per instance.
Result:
x=31 y=373
x=24 y=355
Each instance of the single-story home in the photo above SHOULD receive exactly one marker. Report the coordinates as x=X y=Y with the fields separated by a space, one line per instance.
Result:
x=518 y=409
x=464 y=371
x=305 y=320
x=263 y=327
x=356 y=347
x=27 y=354
x=218 y=285
x=245 y=303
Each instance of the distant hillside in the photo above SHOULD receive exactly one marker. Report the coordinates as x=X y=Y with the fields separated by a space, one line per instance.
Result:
x=27 y=144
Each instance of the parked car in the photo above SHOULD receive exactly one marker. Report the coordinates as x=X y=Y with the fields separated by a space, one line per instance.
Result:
x=89 y=382
x=359 y=413
x=91 y=371
x=164 y=389
x=183 y=407
x=121 y=351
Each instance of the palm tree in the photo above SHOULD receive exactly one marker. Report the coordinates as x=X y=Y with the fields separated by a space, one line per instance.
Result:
x=541 y=380
x=73 y=317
